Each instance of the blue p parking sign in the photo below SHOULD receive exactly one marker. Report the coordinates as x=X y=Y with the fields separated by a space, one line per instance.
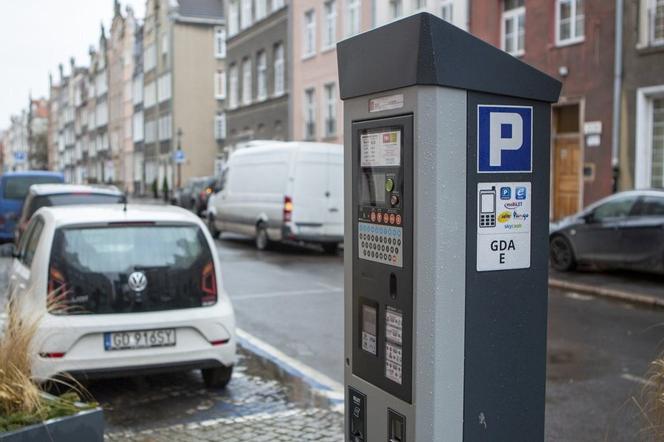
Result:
x=504 y=139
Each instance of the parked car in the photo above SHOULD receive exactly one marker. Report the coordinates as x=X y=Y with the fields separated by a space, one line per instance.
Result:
x=45 y=195
x=282 y=192
x=625 y=230
x=203 y=189
x=141 y=293
x=14 y=187
x=186 y=196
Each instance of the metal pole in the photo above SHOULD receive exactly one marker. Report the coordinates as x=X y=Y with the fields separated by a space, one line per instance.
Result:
x=179 y=164
x=617 y=86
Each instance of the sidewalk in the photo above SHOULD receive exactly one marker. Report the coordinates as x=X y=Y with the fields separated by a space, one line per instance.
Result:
x=636 y=288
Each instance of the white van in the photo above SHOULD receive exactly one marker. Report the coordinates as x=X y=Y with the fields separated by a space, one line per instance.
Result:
x=282 y=191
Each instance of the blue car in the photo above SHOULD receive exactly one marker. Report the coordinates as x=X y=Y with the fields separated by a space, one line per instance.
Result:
x=14 y=187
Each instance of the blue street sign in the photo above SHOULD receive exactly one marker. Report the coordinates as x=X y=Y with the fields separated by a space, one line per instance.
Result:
x=178 y=156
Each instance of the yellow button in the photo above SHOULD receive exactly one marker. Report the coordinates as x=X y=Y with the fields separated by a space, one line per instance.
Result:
x=389 y=184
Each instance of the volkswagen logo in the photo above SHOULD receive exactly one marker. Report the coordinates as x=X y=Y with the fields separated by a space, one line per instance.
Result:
x=137 y=281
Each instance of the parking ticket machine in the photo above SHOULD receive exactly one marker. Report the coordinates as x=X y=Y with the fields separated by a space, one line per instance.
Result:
x=446 y=240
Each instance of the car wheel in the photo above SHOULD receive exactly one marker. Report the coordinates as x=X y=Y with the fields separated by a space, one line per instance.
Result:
x=262 y=240
x=561 y=254
x=217 y=377
x=212 y=228
x=330 y=248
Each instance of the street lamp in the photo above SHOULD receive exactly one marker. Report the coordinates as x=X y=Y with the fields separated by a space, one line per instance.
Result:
x=179 y=163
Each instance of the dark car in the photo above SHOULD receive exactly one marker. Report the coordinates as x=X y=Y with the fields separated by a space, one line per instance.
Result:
x=186 y=196
x=625 y=230
x=204 y=189
x=46 y=195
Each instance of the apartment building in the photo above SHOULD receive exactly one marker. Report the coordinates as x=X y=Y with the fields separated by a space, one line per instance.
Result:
x=138 y=185
x=16 y=146
x=120 y=81
x=641 y=154
x=183 y=53
x=65 y=122
x=572 y=40
x=38 y=133
x=76 y=158
x=258 y=79
x=316 y=27
x=52 y=127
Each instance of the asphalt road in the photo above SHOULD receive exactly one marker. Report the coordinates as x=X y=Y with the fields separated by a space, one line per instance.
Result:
x=598 y=355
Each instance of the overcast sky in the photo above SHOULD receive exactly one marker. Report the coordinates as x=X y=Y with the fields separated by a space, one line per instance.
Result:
x=37 y=35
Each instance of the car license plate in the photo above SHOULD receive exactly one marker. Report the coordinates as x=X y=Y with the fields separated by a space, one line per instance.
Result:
x=131 y=340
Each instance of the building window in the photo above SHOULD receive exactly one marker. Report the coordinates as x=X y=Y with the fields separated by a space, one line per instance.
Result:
x=164 y=88
x=277 y=4
x=447 y=10
x=220 y=126
x=420 y=4
x=220 y=85
x=261 y=9
x=246 y=81
x=234 y=87
x=150 y=58
x=396 y=8
x=261 y=76
x=657 y=142
x=649 y=137
x=353 y=14
x=233 y=17
x=150 y=131
x=245 y=17
x=165 y=128
x=219 y=42
x=310 y=114
x=656 y=22
x=164 y=46
x=514 y=27
x=309 y=40
x=330 y=30
x=330 y=110
x=279 y=70
x=569 y=21
x=137 y=126
x=137 y=90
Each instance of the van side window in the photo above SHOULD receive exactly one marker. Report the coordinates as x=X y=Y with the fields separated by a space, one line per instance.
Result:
x=32 y=242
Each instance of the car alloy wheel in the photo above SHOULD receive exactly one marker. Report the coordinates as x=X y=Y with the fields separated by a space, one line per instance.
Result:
x=561 y=254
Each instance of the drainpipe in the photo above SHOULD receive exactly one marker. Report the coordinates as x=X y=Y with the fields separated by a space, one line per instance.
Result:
x=617 y=87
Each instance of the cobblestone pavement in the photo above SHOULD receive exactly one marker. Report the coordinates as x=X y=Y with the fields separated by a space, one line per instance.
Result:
x=260 y=403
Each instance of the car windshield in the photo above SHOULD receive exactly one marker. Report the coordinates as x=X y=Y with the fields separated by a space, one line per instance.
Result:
x=16 y=187
x=68 y=199
x=93 y=265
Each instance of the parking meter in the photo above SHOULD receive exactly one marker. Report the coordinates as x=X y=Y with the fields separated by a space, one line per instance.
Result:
x=446 y=239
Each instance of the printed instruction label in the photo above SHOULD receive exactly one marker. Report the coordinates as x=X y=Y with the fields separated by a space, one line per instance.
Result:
x=386 y=103
x=393 y=371
x=393 y=326
x=503 y=226
x=380 y=149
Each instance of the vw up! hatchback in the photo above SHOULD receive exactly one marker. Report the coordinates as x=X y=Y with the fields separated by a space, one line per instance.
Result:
x=141 y=293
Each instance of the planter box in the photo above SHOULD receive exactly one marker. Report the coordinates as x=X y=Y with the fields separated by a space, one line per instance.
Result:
x=82 y=427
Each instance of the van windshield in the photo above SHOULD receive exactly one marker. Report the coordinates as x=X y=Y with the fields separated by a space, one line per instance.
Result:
x=125 y=269
x=16 y=187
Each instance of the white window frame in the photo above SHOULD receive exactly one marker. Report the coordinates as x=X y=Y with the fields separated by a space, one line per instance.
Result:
x=644 y=118
x=422 y=5
x=150 y=58
x=247 y=93
x=447 y=10
x=513 y=16
x=277 y=4
x=353 y=17
x=261 y=9
x=234 y=87
x=396 y=9
x=309 y=110
x=330 y=108
x=652 y=18
x=261 y=76
x=309 y=34
x=220 y=126
x=329 y=36
x=233 y=17
x=574 y=38
x=220 y=84
x=246 y=14
x=219 y=42
x=279 y=70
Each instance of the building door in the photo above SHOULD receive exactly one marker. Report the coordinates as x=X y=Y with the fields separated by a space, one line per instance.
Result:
x=566 y=162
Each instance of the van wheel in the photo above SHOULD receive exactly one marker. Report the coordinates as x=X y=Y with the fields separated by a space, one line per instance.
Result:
x=212 y=228
x=262 y=240
x=330 y=248
x=217 y=377
x=561 y=254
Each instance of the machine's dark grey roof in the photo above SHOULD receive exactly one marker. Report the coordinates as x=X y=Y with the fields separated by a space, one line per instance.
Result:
x=201 y=9
x=425 y=50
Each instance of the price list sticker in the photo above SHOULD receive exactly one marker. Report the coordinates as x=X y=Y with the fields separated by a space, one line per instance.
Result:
x=393 y=349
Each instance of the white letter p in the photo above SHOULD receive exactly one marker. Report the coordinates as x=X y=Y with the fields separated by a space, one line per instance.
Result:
x=496 y=141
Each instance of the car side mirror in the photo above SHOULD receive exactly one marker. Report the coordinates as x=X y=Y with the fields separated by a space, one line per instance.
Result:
x=589 y=218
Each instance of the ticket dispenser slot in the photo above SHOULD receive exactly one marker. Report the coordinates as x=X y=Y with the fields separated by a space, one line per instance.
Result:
x=382 y=253
x=357 y=404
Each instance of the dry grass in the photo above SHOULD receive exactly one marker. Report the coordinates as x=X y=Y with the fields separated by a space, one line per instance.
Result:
x=22 y=402
x=652 y=403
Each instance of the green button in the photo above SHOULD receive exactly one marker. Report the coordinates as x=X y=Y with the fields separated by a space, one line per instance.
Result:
x=389 y=184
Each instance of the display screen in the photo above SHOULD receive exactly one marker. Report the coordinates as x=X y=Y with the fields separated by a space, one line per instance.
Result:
x=372 y=188
x=369 y=328
x=380 y=148
x=488 y=201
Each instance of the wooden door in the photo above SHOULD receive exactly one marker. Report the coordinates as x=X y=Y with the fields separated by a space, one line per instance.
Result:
x=566 y=175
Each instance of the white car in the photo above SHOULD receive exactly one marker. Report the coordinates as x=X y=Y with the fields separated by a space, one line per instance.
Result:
x=280 y=191
x=142 y=293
